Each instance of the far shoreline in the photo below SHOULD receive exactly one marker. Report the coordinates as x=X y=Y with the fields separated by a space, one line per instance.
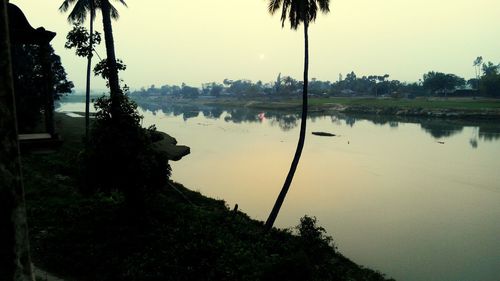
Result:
x=449 y=108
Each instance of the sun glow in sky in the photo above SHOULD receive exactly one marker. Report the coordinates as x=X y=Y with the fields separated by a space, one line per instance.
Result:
x=173 y=41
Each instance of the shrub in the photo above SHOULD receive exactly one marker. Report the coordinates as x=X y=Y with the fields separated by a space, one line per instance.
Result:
x=318 y=247
x=119 y=155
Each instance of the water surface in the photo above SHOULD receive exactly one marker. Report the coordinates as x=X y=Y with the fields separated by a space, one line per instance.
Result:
x=418 y=199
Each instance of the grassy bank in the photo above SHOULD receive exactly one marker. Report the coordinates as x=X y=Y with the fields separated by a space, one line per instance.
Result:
x=425 y=103
x=175 y=237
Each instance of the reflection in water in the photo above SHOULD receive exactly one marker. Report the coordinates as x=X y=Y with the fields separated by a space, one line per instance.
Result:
x=349 y=120
x=441 y=129
x=393 y=124
x=190 y=114
x=241 y=115
x=489 y=132
x=473 y=143
x=336 y=120
x=286 y=121
x=212 y=114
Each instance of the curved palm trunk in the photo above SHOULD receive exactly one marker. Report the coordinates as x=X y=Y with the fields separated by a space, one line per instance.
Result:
x=302 y=137
x=89 y=65
x=113 y=80
x=15 y=262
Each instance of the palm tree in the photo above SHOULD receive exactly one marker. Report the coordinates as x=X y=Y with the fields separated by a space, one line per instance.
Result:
x=78 y=15
x=114 y=82
x=297 y=12
x=477 y=68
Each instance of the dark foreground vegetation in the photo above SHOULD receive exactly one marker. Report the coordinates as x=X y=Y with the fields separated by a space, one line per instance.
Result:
x=176 y=237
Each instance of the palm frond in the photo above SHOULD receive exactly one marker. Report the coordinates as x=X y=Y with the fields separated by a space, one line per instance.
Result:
x=114 y=12
x=324 y=6
x=123 y=2
x=285 y=7
x=65 y=5
x=79 y=11
x=82 y=7
x=298 y=11
x=273 y=6
x=312 y=11
x=295 y=16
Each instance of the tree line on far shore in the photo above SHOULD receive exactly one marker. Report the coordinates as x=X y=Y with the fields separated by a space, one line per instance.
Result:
x=433 y=83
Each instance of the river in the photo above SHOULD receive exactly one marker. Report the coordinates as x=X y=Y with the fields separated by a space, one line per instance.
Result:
x=417 y=199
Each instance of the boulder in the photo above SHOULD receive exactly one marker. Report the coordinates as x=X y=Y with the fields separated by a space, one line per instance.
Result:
x=168 y=145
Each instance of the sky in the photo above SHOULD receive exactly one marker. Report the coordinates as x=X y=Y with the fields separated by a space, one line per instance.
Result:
x=198 y=41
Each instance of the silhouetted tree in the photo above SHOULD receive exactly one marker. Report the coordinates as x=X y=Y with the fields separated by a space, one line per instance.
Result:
x=490 y=68
x=113 y=80
x=297 y=12
x=30 y=82
x=102 y=69
x=216 y=89
x=133 y=165
x=78 y=14
x=189 y=92
x=477 y=68
x=83 y=41
x=379 y=81
x=490 y=81
x=438 y=82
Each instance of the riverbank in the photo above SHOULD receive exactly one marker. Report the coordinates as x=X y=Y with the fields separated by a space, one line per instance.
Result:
x=180 y=234
x=459 y=108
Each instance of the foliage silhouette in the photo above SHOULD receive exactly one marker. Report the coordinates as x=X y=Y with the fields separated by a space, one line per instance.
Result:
x=29 y=83
x=103 y=70
x=490 y=81
x=77 y=15
x=438 y=82
x=81 y=7
x=78 y=38
x=113 y=80
x=83 y=42
x=120 y=156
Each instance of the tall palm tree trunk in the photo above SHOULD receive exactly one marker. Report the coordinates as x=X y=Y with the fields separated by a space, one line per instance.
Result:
x=113 y=79
x=89 y=65
x=302 y=137
x=15 y=262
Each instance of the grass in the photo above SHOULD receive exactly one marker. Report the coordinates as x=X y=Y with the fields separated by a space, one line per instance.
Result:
x=100 y=238
x=354 y=104
x=424 y=103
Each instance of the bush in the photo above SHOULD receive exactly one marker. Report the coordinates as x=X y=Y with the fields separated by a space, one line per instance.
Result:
x=119 y=155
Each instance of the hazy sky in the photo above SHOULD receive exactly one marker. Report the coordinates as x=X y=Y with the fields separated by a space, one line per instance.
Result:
x=196 y=41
